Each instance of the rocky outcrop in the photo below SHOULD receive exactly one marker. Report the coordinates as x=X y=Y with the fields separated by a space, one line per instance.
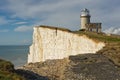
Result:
x=57 y=43
x=79 y=67
x=7 y=71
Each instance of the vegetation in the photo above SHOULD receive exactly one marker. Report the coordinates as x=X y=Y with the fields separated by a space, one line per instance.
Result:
x=7 y=71
x=112 y=48
x=100 y=36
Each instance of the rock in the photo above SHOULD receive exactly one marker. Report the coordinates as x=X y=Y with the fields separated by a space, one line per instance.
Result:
x=93 y=67
x=79 y=67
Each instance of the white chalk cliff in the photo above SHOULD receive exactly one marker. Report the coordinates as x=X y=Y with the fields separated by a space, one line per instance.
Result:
x=57 y=43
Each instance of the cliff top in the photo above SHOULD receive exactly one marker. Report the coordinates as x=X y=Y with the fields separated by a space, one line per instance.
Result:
x=95 y=36
x=53 y=27
x=100 y=36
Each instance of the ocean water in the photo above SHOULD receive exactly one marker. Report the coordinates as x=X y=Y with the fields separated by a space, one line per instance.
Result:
x=16 y=54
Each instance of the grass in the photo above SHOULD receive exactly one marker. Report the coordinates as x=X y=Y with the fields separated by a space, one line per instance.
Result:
x=6 y=66
x=100 y=36
x=7 y=71
x=112 y=48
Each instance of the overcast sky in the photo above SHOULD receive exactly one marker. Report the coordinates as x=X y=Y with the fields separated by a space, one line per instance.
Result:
x=17 y=17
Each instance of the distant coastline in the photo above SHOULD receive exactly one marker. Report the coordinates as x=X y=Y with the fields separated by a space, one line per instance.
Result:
x=15 y=45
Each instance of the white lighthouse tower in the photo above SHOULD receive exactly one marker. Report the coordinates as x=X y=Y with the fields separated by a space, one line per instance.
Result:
x=85 y=18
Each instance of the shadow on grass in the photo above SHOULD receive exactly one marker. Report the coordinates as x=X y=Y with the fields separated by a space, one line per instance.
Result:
x=29 y=75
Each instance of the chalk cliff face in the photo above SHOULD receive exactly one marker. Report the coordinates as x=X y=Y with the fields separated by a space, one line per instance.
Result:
x=57 y=43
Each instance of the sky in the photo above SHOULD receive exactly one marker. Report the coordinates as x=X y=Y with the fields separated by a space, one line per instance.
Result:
x=18 y=17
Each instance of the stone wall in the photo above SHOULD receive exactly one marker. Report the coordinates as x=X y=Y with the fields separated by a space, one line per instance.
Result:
x=58 y=43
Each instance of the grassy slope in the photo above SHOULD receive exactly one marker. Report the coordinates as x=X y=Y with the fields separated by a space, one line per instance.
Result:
x=101 y=37
x=7 y=71
x=112 y=48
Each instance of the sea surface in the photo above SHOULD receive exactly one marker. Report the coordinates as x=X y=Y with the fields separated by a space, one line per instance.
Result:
x=16 y=54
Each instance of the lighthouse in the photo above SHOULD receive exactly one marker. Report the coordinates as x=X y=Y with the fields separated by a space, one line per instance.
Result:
x=85 y=18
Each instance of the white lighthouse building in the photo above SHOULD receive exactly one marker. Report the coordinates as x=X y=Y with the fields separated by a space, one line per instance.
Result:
x=85 y=18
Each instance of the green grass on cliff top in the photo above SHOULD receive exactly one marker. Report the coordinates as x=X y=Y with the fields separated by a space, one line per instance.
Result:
x=100 y=36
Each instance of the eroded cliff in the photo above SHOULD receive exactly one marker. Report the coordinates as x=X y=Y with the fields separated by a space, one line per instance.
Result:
x=57 y=43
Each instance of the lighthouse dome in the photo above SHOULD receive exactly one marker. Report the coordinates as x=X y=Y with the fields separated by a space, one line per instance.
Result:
x=85 y=12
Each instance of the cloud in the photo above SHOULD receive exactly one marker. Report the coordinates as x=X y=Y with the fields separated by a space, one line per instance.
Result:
x=56 y=19
x=65 y=12
x=3 y=20
x=113 y=30
x=19 y=23
x=31 y=8
x=4 y=30
x=23 y=28
x=44 y=8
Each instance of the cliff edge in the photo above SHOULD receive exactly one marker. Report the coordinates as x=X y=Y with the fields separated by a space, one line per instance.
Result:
x=58 y=43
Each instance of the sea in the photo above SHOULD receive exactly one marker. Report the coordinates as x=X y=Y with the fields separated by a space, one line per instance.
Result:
x=17 y=54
